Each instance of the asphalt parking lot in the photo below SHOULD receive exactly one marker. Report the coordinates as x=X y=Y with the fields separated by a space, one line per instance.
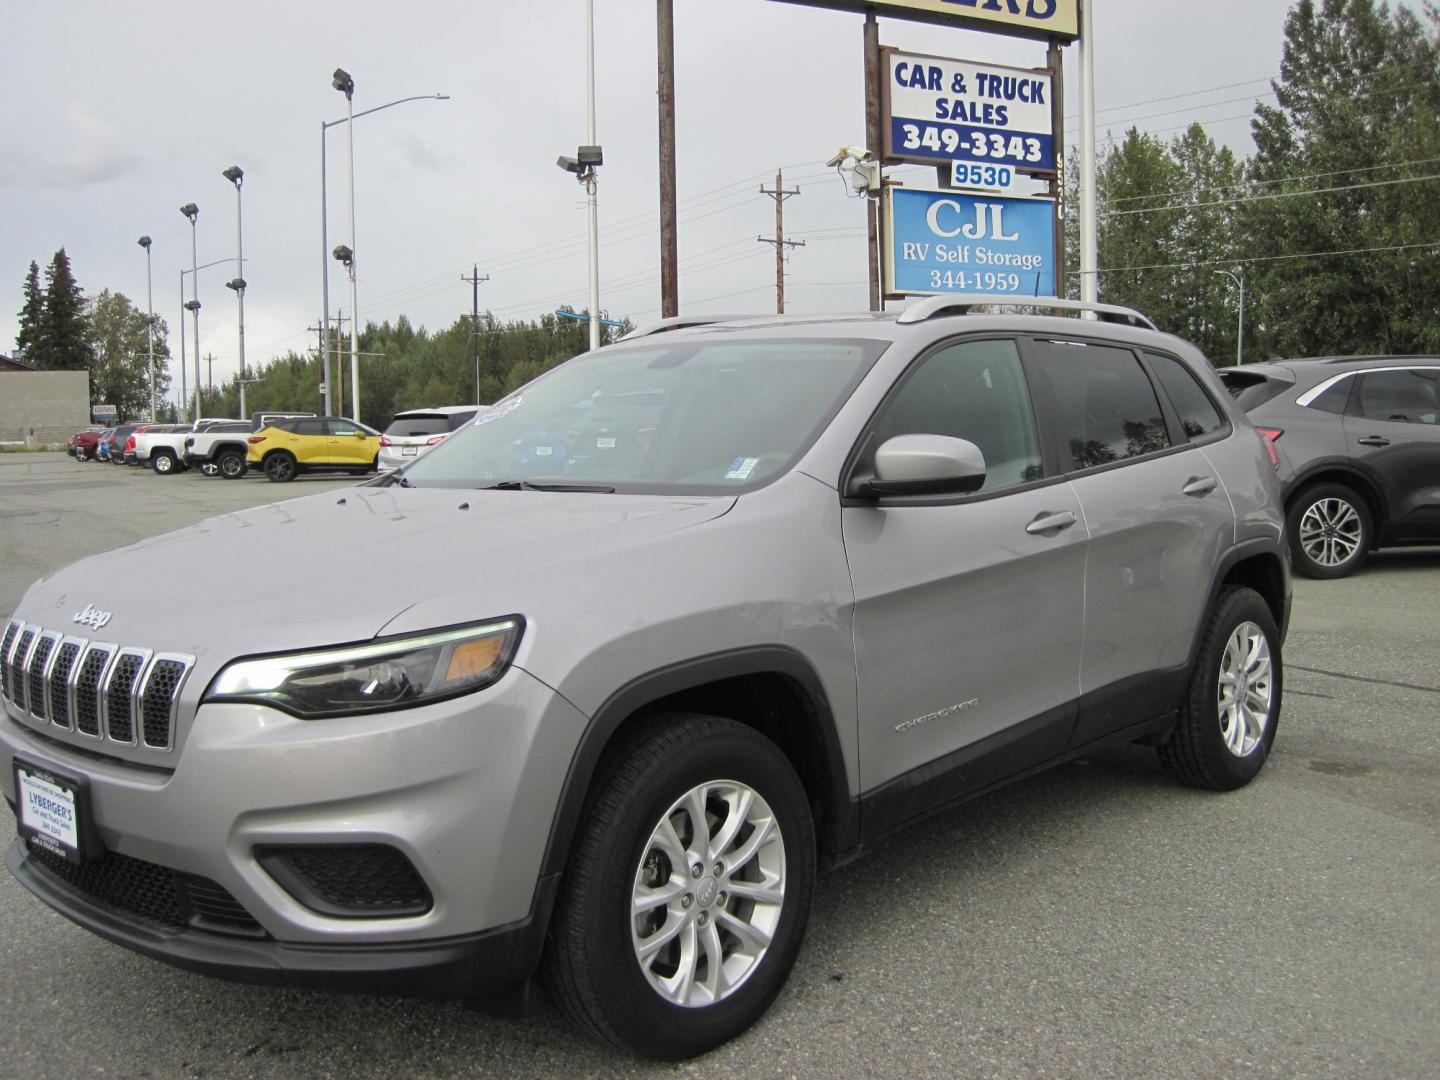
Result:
x=1097 y=920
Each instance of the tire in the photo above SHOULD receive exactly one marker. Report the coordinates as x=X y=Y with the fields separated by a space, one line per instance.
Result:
x=164 y=463
x=1330 y=531
x=280 y=467
x=593 y=966
x=80 y=454
x=1220 y=743
x=230 y=464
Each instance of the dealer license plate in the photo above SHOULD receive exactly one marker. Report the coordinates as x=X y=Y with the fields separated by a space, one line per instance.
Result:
x=50 y=810
x=408 y=451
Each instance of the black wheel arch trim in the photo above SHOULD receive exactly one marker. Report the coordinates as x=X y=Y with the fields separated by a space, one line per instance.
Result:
x=840 y=832
x=1322 y=472
x=1243 y=552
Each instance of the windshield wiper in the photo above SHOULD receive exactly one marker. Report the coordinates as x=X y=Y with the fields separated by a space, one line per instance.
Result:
x=526 y=485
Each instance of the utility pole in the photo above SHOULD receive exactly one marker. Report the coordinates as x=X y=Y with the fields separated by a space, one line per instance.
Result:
x=873 y=138
x=324 y=366
x=780 y=195
x=475 y=279
x=339 y=338
x=669 y=248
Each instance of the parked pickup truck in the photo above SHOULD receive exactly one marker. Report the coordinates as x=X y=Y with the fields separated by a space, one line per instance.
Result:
x=224 y=448
x=163 y=448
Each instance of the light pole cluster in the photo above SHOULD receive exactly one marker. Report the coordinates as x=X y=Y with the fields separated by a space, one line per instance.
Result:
x=344 y=254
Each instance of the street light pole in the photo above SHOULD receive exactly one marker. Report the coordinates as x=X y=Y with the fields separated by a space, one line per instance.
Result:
x=184 y=375
x=326 y=125
x=590 y=183
x=236 y=176
x=1239 y=280
x=342 y=81
x=144 y=242
x=191 y=211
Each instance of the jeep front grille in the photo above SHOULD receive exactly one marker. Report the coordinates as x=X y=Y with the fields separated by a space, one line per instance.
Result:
x=106 y=692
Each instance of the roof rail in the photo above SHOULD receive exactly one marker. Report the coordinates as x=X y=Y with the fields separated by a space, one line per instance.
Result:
x=681 y=322
x=936 y=306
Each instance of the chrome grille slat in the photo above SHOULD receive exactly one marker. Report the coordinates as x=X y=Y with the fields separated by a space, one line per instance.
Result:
x=12 y=631
x=62 y=710
x=112 y=695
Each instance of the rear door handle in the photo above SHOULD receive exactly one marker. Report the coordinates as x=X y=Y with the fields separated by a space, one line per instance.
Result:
x=1373 y=440
x=1044 y=523
x=1199 y=485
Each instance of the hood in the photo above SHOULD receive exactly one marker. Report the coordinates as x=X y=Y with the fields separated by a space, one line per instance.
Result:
x=339 y=566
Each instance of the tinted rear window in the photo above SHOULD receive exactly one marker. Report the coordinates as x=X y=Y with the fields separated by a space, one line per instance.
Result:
x=420 y=424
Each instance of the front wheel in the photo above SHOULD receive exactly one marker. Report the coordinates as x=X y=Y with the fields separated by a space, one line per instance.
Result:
x=1227 y=720
x=280 y=467
x=688 y=889
x=81 y=454
x=1329 y=526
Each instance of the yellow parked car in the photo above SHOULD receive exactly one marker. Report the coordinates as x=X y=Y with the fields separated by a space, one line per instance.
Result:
x=313 y=444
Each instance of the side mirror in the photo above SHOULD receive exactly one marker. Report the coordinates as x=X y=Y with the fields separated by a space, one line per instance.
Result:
x=360 y=435
x=923 y=465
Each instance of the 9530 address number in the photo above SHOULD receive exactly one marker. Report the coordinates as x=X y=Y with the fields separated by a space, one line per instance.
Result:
x=1018 y=149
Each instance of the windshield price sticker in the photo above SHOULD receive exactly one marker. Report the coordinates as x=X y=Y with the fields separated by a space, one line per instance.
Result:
x=955 y=110
x=953 y=242
x=47 y=812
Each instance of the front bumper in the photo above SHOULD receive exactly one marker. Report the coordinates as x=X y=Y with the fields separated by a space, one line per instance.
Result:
x=465 y=789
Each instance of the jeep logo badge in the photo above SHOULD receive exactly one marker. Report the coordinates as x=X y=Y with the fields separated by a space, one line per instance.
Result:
x=92 y=617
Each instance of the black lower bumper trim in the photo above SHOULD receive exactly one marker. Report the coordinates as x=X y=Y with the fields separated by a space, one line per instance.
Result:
x=486 y=963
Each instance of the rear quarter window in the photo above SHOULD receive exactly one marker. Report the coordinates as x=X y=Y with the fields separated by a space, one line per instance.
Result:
x=1199 y=416
x=1250 y=389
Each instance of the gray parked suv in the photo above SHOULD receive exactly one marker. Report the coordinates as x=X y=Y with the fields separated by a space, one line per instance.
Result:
x=1358 y=446
x=675 y=624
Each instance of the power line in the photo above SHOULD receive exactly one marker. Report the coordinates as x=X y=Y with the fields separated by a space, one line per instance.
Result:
x=1265 y=258
x=1280 y=180
x=1276 y=195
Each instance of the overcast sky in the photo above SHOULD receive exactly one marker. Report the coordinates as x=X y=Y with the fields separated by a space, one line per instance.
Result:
x=117 y=114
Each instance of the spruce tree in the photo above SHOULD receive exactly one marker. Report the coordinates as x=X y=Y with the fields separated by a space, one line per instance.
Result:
x=30 y=312
x=63 y=341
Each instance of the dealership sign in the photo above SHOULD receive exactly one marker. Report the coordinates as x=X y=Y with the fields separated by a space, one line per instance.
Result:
x=1027 y=18
x=957 y=242
x=953 y=110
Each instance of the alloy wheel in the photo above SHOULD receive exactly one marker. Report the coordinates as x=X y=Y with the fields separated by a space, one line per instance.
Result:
x=1330 y=532
x=1244 y=689
x=707 y=893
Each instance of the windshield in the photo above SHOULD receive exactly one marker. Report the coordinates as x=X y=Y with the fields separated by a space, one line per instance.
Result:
x=684 y=418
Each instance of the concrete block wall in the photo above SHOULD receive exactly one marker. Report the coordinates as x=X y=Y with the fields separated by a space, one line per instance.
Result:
x=52 y=404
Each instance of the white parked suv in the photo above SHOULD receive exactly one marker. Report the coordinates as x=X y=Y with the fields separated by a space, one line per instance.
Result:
x=415 y=431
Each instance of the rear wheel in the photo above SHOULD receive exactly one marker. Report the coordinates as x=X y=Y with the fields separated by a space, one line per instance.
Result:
x=688 y=889
x=230 y=464
x=280 y=467
x=1228 y=718
x=81 y=454
x=1330 y=531
x=164 y=463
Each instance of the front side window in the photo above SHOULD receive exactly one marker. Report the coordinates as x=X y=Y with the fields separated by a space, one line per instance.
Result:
x=1404 y=395
x=704 y=417
x=1105 y=404
x=976 y=391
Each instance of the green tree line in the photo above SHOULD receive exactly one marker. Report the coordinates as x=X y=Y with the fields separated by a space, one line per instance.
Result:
x=1333 y=224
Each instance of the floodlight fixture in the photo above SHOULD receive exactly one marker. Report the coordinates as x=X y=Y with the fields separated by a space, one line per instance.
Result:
x=570 y=164
x=234 y=174
x=192 y=305
x=343 y=254
x=144 y=242
x=238 y=284
x=191 y=211
x=342 y=81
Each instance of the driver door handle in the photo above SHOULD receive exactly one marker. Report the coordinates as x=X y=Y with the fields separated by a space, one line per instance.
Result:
x=1373 y=440
x=1199 y=485
x=1044 y=522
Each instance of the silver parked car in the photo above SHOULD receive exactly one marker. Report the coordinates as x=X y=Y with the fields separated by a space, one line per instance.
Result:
x=677 y=624
x=415 y=431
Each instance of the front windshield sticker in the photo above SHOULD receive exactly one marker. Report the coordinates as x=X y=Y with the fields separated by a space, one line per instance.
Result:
x=741 y=468
x=605 y=442
x=498 y=410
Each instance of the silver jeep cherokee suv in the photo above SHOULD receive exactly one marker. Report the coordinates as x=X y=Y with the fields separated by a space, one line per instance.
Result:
x=666 y=629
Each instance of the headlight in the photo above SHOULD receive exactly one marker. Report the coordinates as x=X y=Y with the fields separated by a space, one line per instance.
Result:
x=395 y=673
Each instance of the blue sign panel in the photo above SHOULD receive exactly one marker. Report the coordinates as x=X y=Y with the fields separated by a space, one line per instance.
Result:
x=949 y=241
